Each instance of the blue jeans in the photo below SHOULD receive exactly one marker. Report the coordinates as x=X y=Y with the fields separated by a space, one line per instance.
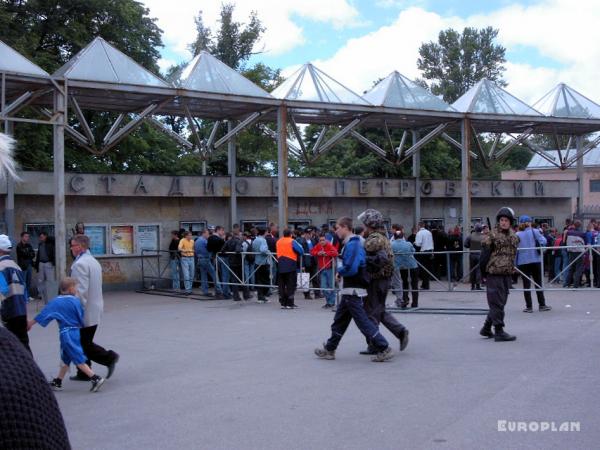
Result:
x=352 y=307
x=249 y=272
x=224 y=276
x=558 y=265
x=206 y=268
x=327 y=283
x=27 y=275
x=187 y=267
x=175 y=273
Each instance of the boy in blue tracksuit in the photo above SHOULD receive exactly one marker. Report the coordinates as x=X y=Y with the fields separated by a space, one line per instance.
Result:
x=66 y=309
x=352 y=270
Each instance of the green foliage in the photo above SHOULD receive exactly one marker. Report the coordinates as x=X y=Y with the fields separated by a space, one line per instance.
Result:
x=233 y=43
x=457 y=61
x=50 y=32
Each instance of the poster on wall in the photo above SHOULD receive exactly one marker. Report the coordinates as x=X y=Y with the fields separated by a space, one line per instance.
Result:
x=121 y=238
x=97 y=235
x=147 y=237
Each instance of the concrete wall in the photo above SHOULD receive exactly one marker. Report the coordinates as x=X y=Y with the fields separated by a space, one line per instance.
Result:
x=167 y=201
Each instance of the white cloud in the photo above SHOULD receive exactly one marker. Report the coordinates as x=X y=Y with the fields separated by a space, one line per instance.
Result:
x=558 y=29
x=282 y=33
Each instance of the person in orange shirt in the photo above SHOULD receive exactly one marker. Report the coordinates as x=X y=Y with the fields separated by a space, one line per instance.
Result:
x=288 y=253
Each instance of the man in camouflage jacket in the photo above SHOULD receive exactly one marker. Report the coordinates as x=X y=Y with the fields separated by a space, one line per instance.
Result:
x=380 y=267
x=498 y=253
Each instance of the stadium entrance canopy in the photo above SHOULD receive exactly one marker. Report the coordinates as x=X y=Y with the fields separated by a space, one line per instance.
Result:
x=101 y=78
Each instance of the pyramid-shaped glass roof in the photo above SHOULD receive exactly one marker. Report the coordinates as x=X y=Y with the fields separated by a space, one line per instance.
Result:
x=12 y=61
x=207 y=74
x=100 y=61
x=564 y=101
x=397 y=91
x=313 y=85
x=488 y=98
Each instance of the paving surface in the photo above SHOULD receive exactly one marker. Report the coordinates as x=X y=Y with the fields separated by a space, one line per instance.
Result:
x=218 y=375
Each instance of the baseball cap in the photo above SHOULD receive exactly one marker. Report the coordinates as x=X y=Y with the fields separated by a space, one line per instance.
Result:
x=524 y=219
x=5 y=243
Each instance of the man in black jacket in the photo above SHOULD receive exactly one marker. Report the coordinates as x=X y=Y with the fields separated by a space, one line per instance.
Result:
x=44 y=264
x=233 y=249
x=25 y=257
x=214 y=245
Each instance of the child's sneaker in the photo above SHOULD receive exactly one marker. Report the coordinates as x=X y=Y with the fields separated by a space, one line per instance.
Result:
x=323 y=353
x=384 y=355
x=56 y=384
x=97 y=382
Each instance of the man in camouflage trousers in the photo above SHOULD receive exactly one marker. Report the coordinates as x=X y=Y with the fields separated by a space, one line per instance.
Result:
x=498 y=252
x=380 y=266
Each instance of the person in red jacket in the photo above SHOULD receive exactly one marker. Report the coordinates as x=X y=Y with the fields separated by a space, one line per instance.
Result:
x=325 y=253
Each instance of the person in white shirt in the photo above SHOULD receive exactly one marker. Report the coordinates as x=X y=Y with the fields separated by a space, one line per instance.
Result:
x=424 y=245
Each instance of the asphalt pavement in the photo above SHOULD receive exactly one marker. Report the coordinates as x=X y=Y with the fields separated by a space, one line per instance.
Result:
x=221 y=375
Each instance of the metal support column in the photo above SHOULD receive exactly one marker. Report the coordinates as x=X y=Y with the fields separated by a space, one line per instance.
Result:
x=60 y=227
x=416 y=171
x=465 y=183
x=232 y=171
x=580 y=177
x=282 y=168
x=9 y=207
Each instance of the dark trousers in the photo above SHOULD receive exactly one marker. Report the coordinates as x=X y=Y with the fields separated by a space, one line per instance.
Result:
x=475 y=271
x=235 y=288
x=575 y=270
x=262 y=277
x=375 y=308
x=18 y=326
x=497 y=288
x=532 y=270
x=426 y=261
x=287 y=288
x=414 y=286
x=352 y=307
x=93 y=351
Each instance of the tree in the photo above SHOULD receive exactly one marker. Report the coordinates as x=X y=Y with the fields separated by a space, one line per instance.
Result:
x=52 y=32
x=233 y=43
x=458 y=61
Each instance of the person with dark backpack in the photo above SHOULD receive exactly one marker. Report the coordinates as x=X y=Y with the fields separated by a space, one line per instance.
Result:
x=354 y=283
x=380 y=266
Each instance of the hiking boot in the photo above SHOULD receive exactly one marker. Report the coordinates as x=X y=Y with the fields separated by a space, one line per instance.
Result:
x=97 y=382
x=368 y=351
x=486 y=332
x=56 y=384
x=111 y=366
x=404 y=339
x=503 y=336
x=323 y=353
x=384 y=355
x=545 y=308
x=528 y=310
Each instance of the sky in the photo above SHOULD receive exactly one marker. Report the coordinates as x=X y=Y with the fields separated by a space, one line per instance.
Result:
x=360 y=41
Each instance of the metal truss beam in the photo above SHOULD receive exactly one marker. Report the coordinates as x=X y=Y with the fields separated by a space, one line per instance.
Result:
x=166 y=130
x=424 y=141
x=376 y=148
x=83 y=122
x=241 y=126
x=516 y=141
x=337 y=137
x=588 y=148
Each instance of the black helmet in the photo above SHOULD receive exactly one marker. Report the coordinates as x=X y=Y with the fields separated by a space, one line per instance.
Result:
x=507 y=212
